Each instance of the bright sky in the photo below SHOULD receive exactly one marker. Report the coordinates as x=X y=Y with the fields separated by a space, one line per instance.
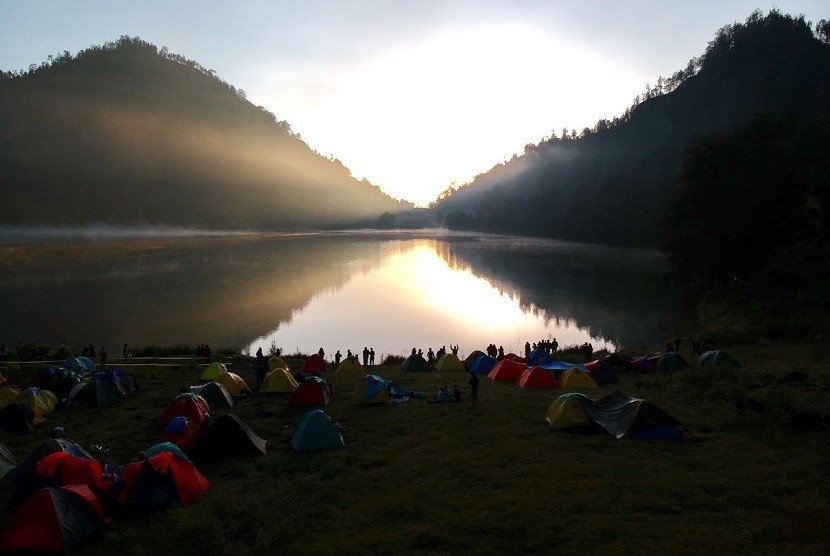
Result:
x=410 y=95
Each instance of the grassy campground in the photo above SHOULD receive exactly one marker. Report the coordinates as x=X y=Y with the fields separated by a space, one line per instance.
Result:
x=749 y=477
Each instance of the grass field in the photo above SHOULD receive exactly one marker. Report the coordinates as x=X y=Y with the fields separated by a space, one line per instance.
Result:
x=748 y=477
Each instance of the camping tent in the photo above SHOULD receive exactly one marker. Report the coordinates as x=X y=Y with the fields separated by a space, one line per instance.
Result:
x=161 y=481
x=482 y=365
x=57 y=380
x=537 y=377
x=276 y=363
x=235 y=384
x=212 y=371
x=278 y=381
x=539 y=357
x=55 y=520
x=315 y=364
x=42 y=401
x=189 y=405
x=316 y=431
x=449 y=362
x=575 y=379
x=181 y=432
x=215 y=394
x=415 y=364
x=49 y=447
x=623 y=416
x=373 y=389
x=7 y=461
x=95 y=393
x=349 y=364
x=228 y=436
x=472 y=357
x=17 y=418
x=671 y=361
x=717 y=358
x=565 y=412
x=507 y=370
x=60 y=469
x=313 y=391
x=602 y=372
x=165 y=447
x=80 y=365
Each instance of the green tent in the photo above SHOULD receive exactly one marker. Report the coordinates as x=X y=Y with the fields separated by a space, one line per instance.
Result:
x=415 y=364
x=717 y=358
x=316 y=431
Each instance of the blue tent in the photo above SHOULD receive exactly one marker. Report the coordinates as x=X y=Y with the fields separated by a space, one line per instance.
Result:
x=538 y=357
x=81 y=365
x=165 y=447
x=482 y=365
x=562 y=366
x=316 y=431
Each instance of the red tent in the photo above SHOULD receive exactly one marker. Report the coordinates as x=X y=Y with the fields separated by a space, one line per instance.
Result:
x=54 y=520
x=194 y=407
x=311 y=392
x=507 y=370
x=315 y=363
x=161 y=480
x=537 y=377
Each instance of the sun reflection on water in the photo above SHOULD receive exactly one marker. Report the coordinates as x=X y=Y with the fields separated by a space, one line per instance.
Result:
x=417 y=298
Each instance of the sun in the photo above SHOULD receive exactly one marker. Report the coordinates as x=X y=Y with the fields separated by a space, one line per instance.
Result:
x=441 y=109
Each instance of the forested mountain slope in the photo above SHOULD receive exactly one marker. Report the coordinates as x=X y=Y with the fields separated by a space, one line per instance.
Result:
x=126 y=134
x=611 y=183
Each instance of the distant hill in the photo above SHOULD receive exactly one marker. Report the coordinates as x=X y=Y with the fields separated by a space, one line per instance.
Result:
x=610 y=184
x=130 y=134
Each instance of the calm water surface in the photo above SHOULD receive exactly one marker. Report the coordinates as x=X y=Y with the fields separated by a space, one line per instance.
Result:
x=300 y=292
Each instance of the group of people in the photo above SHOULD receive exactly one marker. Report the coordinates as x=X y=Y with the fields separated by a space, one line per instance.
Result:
x=89 y=351
x=204 y=352
x=368 y=356
x=433 y=356
x=548 y=346
x=444 y=394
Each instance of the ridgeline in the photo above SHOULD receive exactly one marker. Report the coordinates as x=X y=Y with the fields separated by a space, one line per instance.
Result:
x=127 y=134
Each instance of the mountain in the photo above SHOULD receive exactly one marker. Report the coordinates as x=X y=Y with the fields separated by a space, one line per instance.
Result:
x=128 y=134
x=611 y=183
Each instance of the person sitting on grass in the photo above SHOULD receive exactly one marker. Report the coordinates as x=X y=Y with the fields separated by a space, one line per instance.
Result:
x=443 y=395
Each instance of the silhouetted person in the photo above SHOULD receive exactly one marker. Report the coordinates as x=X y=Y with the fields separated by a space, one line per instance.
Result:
x=527 y=349
x=474 y=389
x=261 y=368
x=321 y=353
x=454 y=349
x=430 y=356
x=125 y=353
x=501 y=353
x=371 y=356
x=554 y=345
x=103 y=358
x=365 y=356
x=337 y=356
x=677 y=342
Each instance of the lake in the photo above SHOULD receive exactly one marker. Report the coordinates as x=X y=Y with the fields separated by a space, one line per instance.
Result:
x=388 y=290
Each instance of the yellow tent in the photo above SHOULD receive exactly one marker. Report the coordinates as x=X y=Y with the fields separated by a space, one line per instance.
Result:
x=565 y=412
x=213 y=371
x=449 y=362
x=276 y=363
x=349 y=364
x=575 y=379
x=233 y=382
x=9 y=396
x=40 y=400
x=277 y=381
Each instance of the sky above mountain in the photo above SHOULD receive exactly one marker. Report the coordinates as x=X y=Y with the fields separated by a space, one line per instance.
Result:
x=412 y=96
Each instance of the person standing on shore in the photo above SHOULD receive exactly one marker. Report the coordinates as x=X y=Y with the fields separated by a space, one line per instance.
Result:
x=474 y=390
x=261 y=368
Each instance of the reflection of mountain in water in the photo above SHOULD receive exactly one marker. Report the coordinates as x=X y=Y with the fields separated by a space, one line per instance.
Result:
x=223 y=290
x=616 y=294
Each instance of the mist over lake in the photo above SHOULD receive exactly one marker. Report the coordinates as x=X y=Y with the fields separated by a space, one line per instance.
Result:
x=391 y=291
